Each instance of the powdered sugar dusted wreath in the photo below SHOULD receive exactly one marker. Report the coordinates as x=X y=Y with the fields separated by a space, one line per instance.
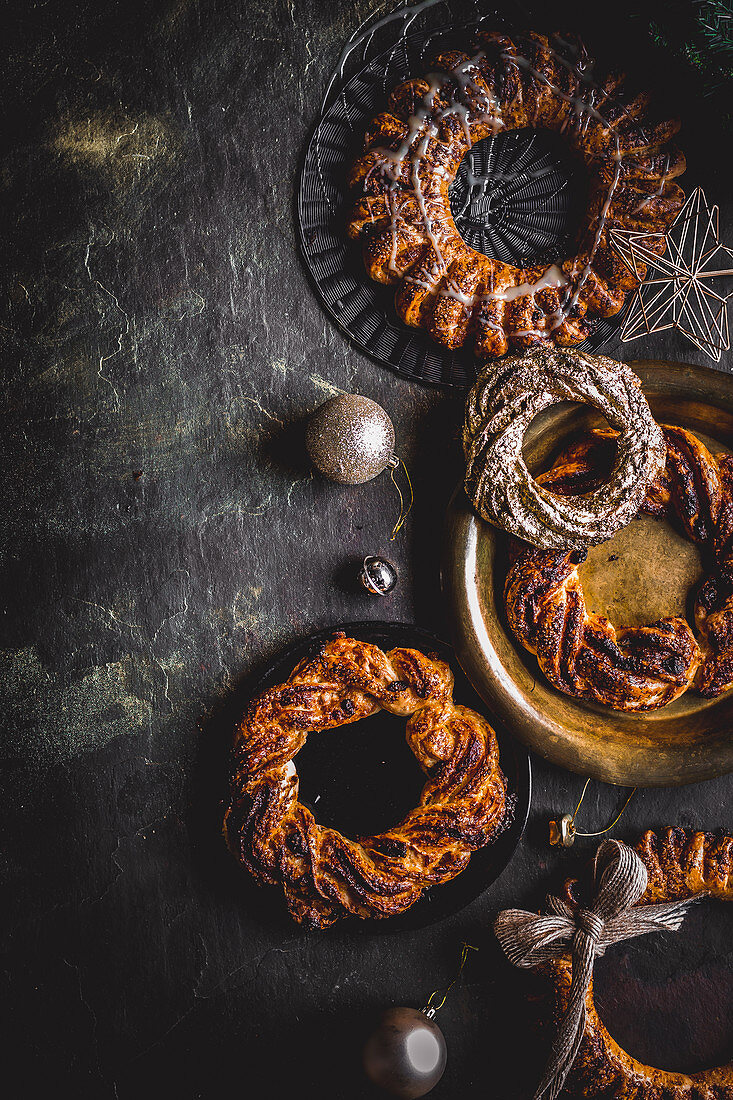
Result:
x=500 y=408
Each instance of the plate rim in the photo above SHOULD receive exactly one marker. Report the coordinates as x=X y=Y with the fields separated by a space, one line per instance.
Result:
x=541 y=732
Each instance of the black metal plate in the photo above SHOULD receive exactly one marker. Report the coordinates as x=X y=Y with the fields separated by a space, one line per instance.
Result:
x=533 y=221
x=363 y=777
x=519 y=197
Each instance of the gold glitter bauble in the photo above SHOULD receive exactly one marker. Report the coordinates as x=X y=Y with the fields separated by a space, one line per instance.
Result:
x=350 y=439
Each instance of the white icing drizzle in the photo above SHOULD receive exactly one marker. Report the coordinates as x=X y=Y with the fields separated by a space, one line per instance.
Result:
x=655 y=194
x=390 y=161
x=552 y=278
x=486 y=322
x=580 y=106
x=394 y=208
x=430 y=281
x=450 y=290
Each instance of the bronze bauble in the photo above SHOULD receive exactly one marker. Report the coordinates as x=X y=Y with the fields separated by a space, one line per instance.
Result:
x=406 y=1055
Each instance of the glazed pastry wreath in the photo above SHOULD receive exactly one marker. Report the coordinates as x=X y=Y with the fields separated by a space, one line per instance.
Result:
x=324 y=875
x=645 y=667
x=680 y=865
x=401 y=206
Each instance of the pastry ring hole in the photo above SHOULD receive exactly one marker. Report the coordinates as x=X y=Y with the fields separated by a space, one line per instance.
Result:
x=519 y=197
x=360 y=779
x=570 y=422
x=667 y=999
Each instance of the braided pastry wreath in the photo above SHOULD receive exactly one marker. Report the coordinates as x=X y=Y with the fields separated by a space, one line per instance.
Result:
x=644 y=667
x=500 y=407
x=680 y=865
x=324 y=875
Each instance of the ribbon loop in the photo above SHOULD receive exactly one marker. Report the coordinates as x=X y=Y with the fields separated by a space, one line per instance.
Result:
x=621 y=878
x=529 y=939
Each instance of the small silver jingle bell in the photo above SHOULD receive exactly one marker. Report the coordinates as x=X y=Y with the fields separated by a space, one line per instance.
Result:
x=563 y=833
x=378 y=575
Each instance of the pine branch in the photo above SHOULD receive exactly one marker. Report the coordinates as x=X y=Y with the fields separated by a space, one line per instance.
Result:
x=701 y=35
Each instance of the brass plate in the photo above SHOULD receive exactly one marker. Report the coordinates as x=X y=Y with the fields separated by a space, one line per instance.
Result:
x=645 y=572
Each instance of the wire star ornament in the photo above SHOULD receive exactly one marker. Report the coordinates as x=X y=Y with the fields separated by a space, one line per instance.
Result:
x=679 y=294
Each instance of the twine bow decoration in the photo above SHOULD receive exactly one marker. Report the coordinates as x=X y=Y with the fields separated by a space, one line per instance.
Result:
x=528 y=939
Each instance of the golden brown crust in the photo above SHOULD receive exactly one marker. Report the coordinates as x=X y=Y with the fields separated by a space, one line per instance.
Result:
x=324 y=875
x=680 y=864
x=412 y=151
x=646 y=667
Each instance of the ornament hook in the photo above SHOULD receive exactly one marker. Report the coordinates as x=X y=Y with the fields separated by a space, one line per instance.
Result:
x=564 y=832
x=430 y=1009
x=393 y=464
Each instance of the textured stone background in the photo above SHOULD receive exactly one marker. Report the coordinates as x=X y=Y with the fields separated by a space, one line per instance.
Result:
x=164 y=538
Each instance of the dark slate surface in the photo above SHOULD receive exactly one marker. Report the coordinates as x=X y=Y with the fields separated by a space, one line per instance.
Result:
x=165 y=537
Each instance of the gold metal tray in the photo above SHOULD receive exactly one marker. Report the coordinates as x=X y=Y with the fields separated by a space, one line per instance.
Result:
x=646 y=572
